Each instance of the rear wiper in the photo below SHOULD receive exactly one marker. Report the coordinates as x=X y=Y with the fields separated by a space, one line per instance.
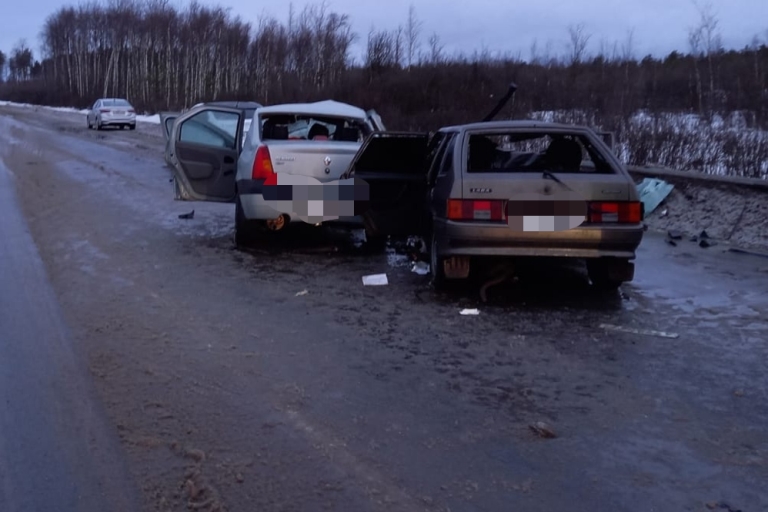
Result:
x=551 y=176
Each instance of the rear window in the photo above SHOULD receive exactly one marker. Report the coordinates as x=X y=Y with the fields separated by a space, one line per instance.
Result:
x=516 y=151
x=316 y=128
x=115 y=103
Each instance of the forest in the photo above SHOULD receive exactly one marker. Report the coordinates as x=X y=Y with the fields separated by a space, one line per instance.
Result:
x=702 y=108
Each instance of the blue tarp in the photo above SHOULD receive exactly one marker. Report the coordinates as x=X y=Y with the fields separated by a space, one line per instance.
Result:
x=652 y=192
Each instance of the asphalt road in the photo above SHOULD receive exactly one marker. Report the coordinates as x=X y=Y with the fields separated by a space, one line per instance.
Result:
x=143 y=357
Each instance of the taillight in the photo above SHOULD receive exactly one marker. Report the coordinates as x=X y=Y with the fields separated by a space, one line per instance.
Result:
x=625 y=212
x=262 y=164
x=131 y=111
x=471 y=209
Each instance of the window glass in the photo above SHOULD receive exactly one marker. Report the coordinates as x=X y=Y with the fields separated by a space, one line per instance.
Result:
x=535 y=151
x=211 y=128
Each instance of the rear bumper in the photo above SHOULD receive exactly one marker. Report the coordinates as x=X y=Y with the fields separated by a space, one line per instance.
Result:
x=118 y=120
x=256 y=208
x=464 y=239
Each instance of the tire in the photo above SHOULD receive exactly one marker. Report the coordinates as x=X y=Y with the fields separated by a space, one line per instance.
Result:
x=88 y=120
x=132 y=127
x=99 y=126
x=439 y=281
x=246 y=232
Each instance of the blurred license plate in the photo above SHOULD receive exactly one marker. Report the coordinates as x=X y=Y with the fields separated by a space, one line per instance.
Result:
x=120 y=112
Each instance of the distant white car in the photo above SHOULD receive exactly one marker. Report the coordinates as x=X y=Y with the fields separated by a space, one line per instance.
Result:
x=215 y=159
x=111 y=112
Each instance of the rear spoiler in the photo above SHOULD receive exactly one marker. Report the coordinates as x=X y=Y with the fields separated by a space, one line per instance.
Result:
x=503 y=101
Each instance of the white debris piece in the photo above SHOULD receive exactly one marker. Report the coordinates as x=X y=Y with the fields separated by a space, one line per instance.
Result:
x=420 y=268
x=375 y=280
x=469 y=312
x=302 y=292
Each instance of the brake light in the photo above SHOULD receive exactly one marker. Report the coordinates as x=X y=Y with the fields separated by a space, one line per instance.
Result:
x=489 y=210
x=625 y=212
x=262 y=164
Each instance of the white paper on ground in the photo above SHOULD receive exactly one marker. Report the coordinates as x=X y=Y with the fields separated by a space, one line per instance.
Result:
x=469 y=312
x=375 y=280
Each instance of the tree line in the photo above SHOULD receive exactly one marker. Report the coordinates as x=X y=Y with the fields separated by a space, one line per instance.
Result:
x=162 y=57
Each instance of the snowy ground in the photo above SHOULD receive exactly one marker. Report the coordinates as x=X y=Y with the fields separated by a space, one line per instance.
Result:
x=140 y=118
x=728 y=145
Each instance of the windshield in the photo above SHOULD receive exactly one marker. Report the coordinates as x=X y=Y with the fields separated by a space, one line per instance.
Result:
x=536 y=151
x=315 y=128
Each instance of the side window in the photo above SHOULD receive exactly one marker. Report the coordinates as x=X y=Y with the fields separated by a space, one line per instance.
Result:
x=211 y=128
x=435 y=153
x=447 y=162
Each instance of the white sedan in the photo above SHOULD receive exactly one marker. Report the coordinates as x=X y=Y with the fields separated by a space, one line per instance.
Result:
x=111 y=112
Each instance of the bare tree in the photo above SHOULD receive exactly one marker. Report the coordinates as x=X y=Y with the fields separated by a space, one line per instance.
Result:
x=413 y=27
x=578 y=39
x=436 y=48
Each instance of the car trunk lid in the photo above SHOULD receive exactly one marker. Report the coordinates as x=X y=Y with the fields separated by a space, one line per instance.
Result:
x=323 y=161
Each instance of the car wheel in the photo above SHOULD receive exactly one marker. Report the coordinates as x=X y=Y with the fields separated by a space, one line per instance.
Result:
x=99 y=125
x=608 y=274
x=246 y=232
x=132 y=127
x=436 y=265
x=88 y=121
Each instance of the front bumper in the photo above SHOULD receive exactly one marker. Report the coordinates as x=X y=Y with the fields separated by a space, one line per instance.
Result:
x=482 y=239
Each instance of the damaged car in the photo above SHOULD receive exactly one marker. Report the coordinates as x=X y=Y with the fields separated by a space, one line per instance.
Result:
x=306 y=145
x=504 y=190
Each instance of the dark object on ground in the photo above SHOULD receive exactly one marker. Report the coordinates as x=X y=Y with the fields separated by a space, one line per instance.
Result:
x=703 y=234
x=674 y=235
x=189 y=215
x=745 y=251
x=671 y=242
x=543 y=430
x=705 y=243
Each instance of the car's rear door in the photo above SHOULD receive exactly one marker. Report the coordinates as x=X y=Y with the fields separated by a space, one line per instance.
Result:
x=393 y=164
x=206 y=145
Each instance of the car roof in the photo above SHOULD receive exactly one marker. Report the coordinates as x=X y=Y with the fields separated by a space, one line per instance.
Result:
x=319 y=108
x=113 y=99
x=518 y=124
x=234 y=104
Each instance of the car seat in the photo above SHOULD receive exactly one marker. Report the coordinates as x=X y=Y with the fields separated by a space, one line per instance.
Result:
x=318 y=132
x=564 y=154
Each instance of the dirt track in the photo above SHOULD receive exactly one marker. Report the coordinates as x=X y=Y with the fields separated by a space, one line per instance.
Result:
x=230 y=391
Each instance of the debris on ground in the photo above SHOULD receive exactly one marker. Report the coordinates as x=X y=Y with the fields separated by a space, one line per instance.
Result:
x=543 y=430
x=712 y=505
x=745 y=251
x=671 y=242
x=739 y=392
x=706 y=243
x=302 y=292
x=632 y=330
x=652 y=192
x=674 y=234
x=469 y=312
x=420 y=267
x=189 y=215
x=375 y=280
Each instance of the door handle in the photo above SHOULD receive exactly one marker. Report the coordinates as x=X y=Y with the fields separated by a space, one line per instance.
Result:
x=229 y=160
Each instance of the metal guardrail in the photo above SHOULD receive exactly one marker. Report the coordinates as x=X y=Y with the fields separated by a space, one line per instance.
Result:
x=712 y=179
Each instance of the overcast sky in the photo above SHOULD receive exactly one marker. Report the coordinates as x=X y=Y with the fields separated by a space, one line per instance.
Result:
x=498 y=25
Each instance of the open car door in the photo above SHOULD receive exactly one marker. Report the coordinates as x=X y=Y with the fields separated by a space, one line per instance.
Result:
x=166 y=123
x=375 y=120
x=393 y=165
x=205 y=143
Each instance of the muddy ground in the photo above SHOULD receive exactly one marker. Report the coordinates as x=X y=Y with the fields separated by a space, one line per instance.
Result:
x=229 y=389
